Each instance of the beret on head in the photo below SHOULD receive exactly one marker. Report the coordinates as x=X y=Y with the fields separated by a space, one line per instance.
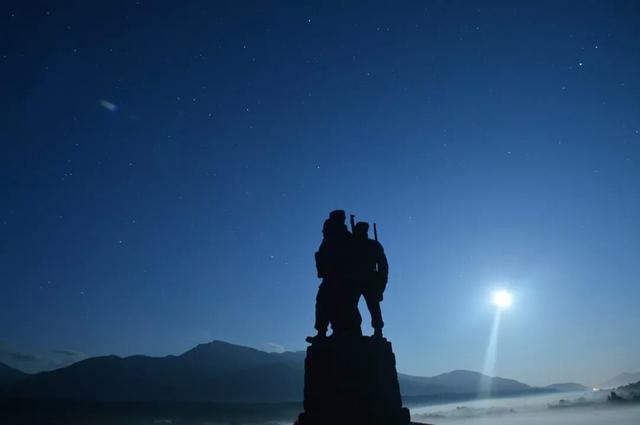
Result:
x=362 y=226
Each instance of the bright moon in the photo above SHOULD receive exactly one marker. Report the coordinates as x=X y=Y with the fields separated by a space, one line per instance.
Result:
x=501 y=299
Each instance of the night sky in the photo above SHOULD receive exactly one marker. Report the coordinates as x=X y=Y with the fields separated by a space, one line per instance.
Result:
x=166 y=168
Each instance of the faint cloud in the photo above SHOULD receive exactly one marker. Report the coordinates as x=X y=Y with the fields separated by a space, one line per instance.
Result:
x=66 y=357
x=69 y=353
x=33 y=363
x=20 y=356
x=109 y=106
x=272 y=347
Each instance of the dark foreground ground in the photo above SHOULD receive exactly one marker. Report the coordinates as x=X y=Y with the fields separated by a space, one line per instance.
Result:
x=52 y=412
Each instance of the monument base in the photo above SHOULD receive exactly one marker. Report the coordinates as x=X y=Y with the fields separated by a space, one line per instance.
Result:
x=352 y=380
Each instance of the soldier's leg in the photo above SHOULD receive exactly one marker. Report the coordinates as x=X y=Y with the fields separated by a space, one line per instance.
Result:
x=373 y=304
x=355 y=319
x=322 y=309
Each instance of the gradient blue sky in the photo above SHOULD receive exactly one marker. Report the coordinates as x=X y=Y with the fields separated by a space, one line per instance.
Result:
x=495 y=144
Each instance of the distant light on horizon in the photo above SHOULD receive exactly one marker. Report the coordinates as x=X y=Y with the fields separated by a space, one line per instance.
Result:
x=502 y=299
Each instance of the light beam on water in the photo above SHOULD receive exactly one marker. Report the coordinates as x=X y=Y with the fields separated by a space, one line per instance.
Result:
x=488 y=370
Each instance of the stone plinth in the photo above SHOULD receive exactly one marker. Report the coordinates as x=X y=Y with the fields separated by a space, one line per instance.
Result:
x=352 y=380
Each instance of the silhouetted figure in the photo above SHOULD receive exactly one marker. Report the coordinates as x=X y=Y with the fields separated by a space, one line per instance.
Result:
x=350 y=379
x=337 y=298
x=372 y=273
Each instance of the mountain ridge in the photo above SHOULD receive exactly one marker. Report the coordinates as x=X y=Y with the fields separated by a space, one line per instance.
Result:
x=219 y=371
x=621 y=379
x=566 y=387
x=9 y=375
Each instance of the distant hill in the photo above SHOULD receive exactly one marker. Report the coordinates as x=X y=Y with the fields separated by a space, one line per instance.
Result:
x=8 y=376
x=566 y=387
x=456 y=382
x=459 y=385
x=630 y=391
x=412 y=386
x=222 y=372
x=622 y=379
x=217 y=371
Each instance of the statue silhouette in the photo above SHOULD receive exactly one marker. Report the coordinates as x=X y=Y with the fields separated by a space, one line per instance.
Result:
x=350 y=379
x=338 y=293
x=372 y=273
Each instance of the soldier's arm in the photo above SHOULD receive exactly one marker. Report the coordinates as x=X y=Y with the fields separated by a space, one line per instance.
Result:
x=383 y=265
x=318 y=264
x=321 y=266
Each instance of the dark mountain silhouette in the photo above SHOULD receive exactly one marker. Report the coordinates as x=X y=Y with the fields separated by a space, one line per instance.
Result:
x=622 y=379
x=220 y=372
x=217 y=371
x=625 y=394
x=566 y=387
x=630 y=391
x=224 y=357
x=8 y=376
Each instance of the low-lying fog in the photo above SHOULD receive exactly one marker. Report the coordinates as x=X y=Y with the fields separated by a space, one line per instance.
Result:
x=579 y=408
x=588 y=408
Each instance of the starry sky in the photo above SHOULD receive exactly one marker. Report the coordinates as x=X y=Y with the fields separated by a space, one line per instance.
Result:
x=166 y=168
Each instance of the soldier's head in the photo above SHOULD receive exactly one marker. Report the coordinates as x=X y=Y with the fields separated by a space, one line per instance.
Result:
x=331 y=228
x=338 y=216
x=361 y=230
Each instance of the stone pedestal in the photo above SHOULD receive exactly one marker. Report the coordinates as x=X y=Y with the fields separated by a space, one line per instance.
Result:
x=352 y=380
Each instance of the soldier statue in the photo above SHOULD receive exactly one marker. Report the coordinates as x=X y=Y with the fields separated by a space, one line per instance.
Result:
x=372 y=273
x=350 y=379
